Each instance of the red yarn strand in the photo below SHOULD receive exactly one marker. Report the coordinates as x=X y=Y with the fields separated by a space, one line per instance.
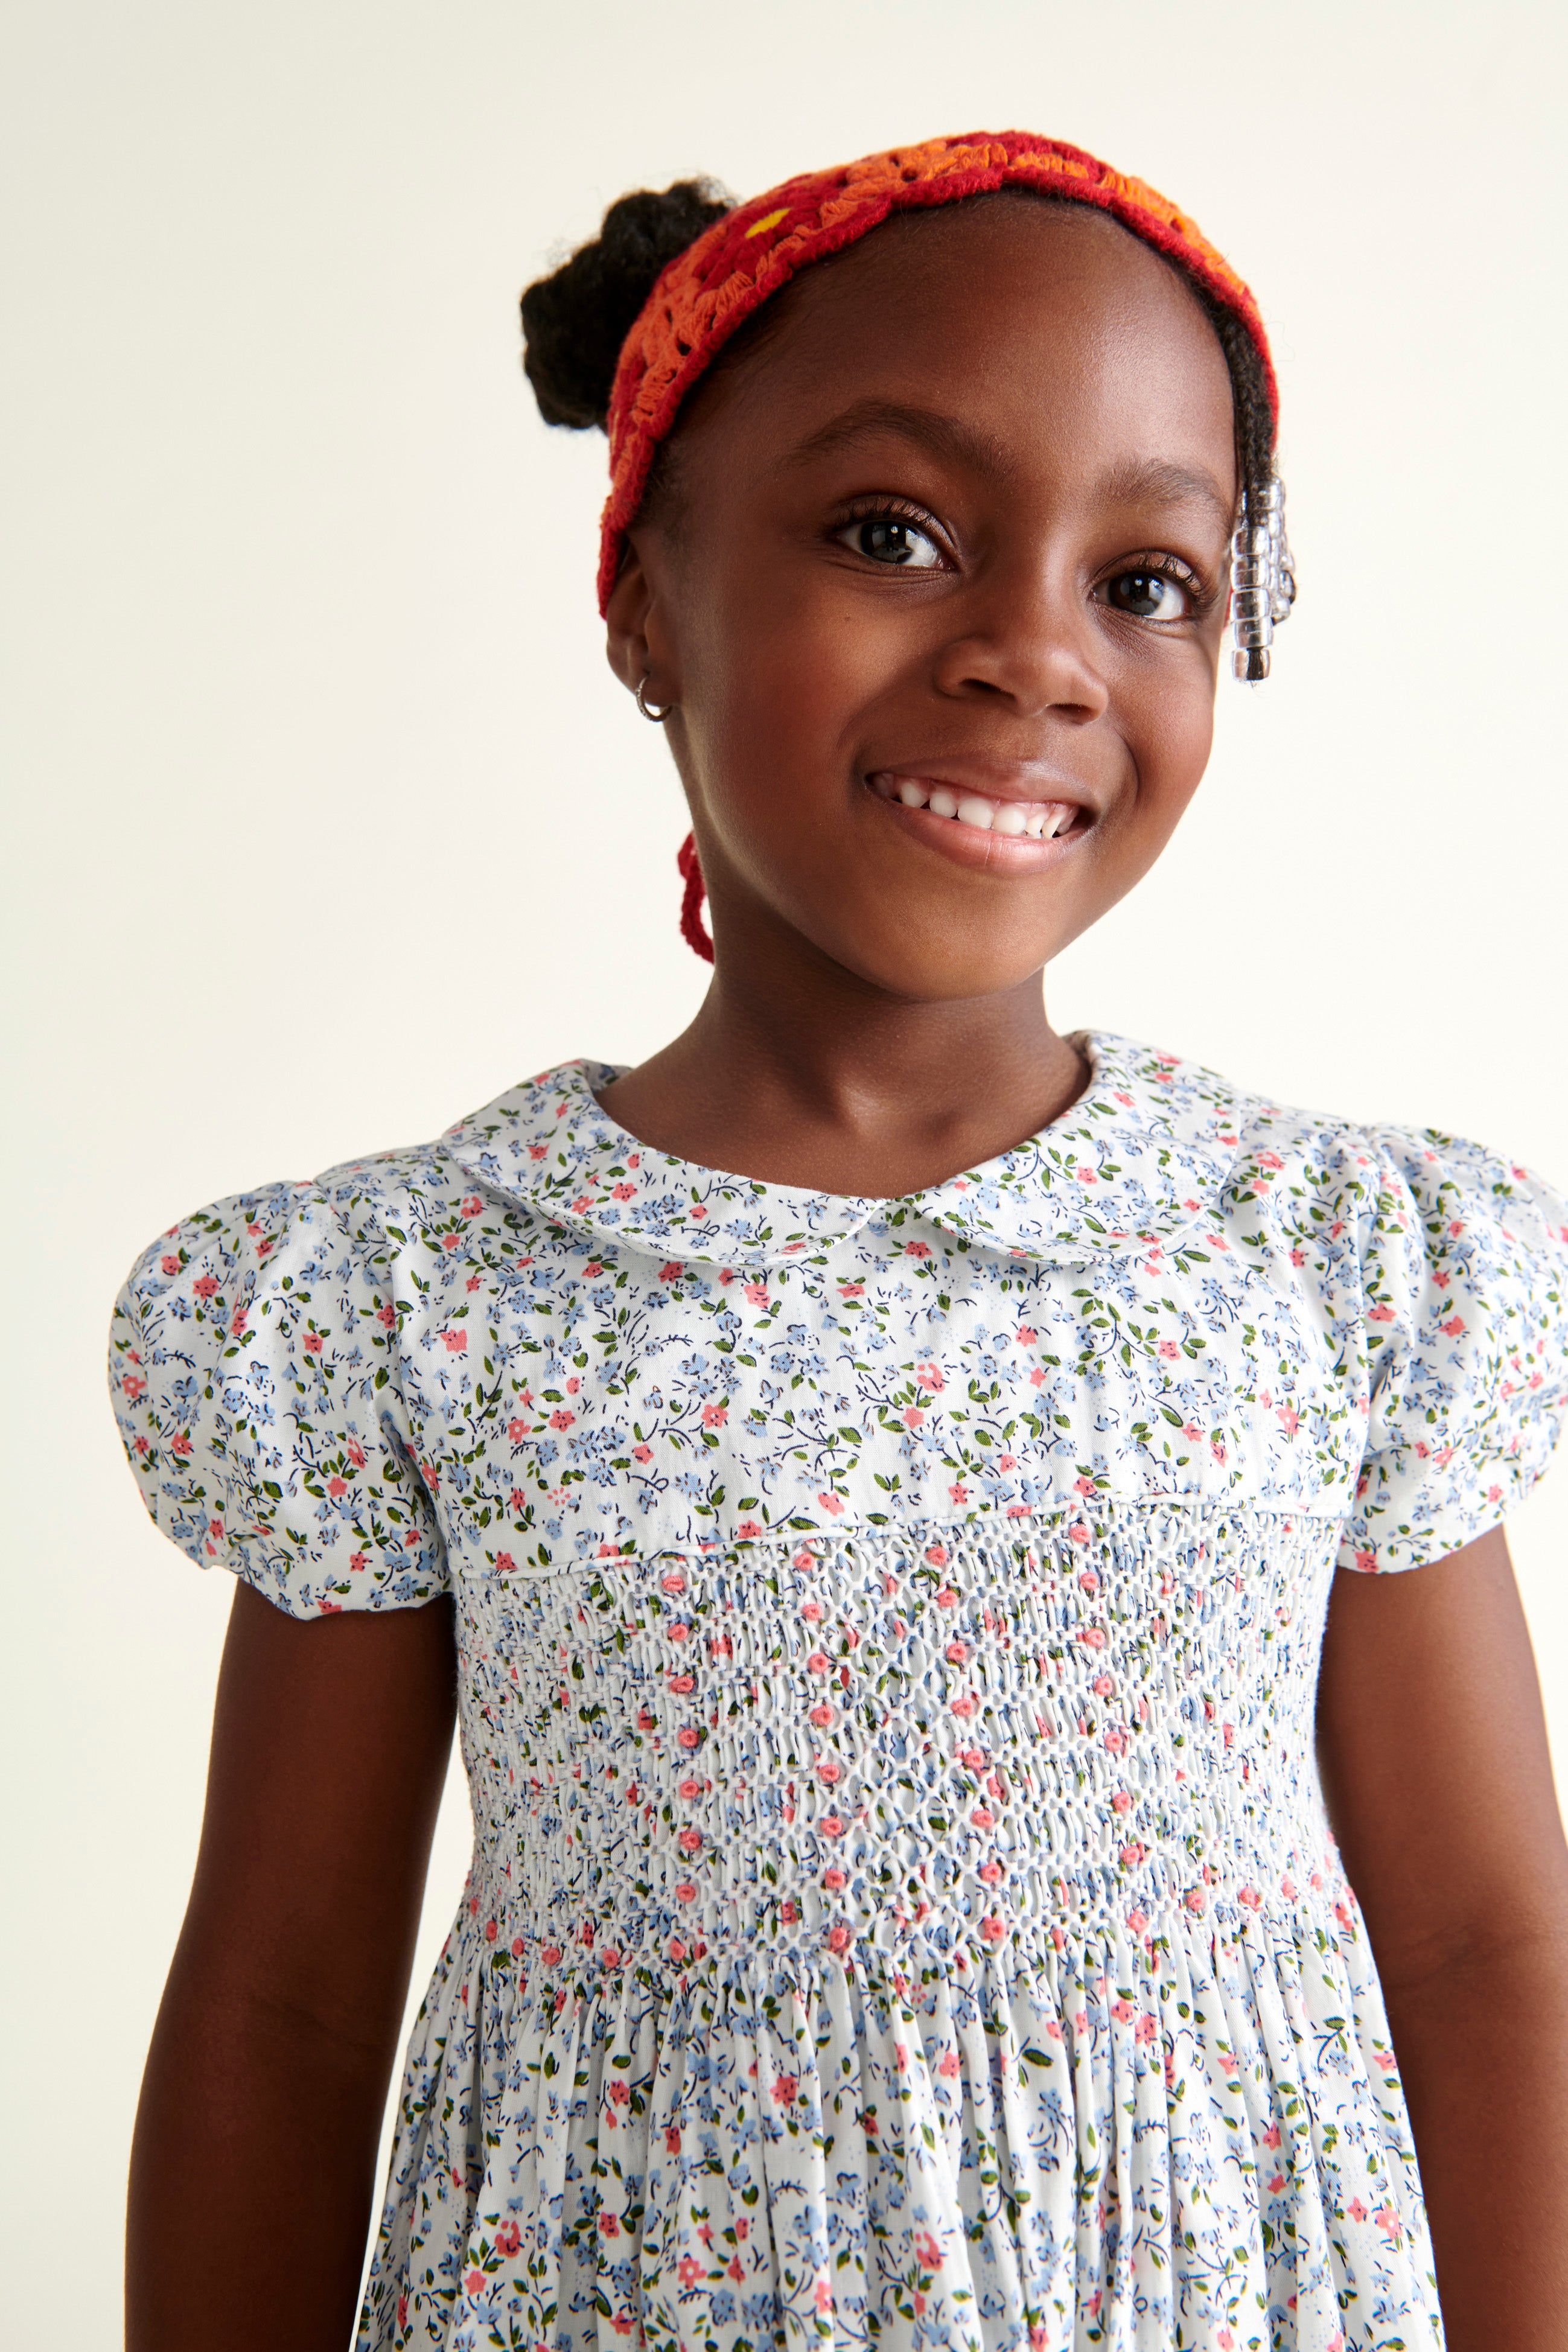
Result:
x=692 y=925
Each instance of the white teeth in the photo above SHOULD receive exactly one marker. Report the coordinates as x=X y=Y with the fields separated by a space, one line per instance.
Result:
x=1028 y=819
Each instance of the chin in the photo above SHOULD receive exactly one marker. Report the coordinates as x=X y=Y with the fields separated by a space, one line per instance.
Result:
x=928 y=971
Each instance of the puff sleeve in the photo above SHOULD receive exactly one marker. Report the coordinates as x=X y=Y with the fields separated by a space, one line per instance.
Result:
x=255 y=1375
x=1464 y=1312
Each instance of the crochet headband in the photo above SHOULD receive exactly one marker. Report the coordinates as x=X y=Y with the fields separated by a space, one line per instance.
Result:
x=711 y=289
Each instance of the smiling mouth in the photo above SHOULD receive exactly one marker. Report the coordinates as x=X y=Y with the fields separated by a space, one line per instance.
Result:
x=980 y=811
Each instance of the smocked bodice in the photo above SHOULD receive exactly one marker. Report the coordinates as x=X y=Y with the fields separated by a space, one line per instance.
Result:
x=939 y=1736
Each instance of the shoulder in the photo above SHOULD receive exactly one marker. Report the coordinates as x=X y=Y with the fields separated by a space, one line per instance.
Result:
x=1323 y=1169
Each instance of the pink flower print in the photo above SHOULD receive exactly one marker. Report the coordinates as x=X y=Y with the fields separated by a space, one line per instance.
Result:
x=475 y=2281
x=992 y=1872
x=963 y=1707
x=688 y=1736
x=455 y=1340
x=714 y=1416
x=789 y=1912
x=623 y=1191
x=1380 y=1313
x=1146 y=2028
x=1454 y=1328
x=560 y=1418
x=508 y=2238
x=451 y=1241
x=357 y=1559
x=672 y=1272
x=642 y=1454
x=831 y=1825
x=336 y=1487
x=957 y=1654
x=916 y=1249
x=913 y=1416
x=1086 y=1176
x=832 y=1504
x=1092 y=1637
x=786 y=2090
x=169 y=1264
x=1122 y=2010
x=1250 y=1897
x=834 y=1880
x=828 y=1769
x=1367 y=1562
x=204 y=1286
x=820 y=1663
x=1006 y=1462
x=839 y=1941
x=1190 y=1432
x=355 y=1452
x=1195 y=1899
x=690 y=2271
x=1225 y=2340
x=1102 y=1687
x=984 y=1818
x=993 y=1928
x=1356 y=2209
x=757 y=1293
x=947 y=2065
x=1386 y=2059
x=823 y=2292
x=685 y=1892
x=928 y=2253
x=312 y=1343
x=134 y=1384
x=821 y=1717
x=852 y=1289
x=1132 y=1854
x=690 y=1842
x=181 y=1443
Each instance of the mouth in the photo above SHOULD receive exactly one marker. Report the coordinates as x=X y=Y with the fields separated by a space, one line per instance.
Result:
x=995 y=828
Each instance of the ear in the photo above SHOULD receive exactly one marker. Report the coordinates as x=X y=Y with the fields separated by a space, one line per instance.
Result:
x=637 y=642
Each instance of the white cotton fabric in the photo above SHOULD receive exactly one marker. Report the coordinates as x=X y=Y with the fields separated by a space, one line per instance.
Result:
x=902 y=1908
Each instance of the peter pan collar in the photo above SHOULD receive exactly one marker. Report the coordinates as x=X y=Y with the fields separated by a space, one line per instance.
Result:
x=1142 y=1156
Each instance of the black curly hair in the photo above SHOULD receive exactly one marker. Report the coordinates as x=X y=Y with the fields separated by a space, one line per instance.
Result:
x=575 y=320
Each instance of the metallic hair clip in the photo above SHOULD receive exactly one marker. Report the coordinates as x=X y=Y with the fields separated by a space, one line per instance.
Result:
x=1262 y=580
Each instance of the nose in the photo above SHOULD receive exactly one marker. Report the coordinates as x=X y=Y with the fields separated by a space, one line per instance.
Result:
x=1030 y=642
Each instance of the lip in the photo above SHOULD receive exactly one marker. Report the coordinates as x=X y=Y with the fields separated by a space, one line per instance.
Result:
x=1020 y=782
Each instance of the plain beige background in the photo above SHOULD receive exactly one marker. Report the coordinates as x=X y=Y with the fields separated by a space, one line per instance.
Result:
x=328 y=821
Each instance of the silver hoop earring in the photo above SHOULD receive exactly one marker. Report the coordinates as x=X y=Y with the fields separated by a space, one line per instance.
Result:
x=651 y=711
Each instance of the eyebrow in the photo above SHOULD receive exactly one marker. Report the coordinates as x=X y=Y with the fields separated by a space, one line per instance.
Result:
x=1159 y=482
x=932 y=428
x=1156 y=480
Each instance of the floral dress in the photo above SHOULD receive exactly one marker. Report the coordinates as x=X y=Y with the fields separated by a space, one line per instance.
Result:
x=903 y=1911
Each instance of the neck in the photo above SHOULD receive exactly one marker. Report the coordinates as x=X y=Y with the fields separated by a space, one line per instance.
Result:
x=809 y=1075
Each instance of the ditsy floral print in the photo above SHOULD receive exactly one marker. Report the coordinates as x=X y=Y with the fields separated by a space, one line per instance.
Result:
x=902 y=1910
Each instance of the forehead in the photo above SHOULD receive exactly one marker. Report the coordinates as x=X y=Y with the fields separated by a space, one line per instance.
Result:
x=1041 y=323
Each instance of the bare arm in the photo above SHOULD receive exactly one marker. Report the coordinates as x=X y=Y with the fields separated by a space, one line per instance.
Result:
x=1435 y=1765
x=251 y=2171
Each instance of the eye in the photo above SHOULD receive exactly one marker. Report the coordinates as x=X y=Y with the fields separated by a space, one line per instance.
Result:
x=1149 y=596
x=890 y=539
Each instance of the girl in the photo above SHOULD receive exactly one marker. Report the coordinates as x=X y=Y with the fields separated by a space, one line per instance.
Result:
x=894 y=1488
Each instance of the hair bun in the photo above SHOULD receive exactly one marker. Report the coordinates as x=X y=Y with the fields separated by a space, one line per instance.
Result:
x=576 y=320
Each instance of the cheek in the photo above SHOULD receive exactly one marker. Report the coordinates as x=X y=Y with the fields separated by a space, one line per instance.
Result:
x=777 y=680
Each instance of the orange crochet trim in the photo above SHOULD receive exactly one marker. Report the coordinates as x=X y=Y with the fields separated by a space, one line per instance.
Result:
x=715 y=284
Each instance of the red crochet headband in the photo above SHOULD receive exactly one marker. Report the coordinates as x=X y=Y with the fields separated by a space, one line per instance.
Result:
x=712 y=288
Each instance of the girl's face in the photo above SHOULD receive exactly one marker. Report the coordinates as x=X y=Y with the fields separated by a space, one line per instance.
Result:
x=951 y=537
